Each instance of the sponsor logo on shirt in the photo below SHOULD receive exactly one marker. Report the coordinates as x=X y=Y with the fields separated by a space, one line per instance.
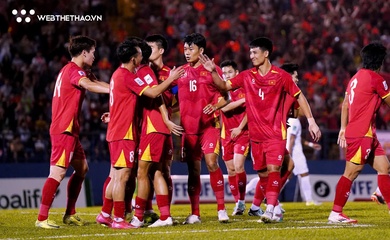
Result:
x=82 y=73
x=280 y=158
x=139 y=81
x=211 y=145
x=385 y=85
x=253 y=81
x=148 y=79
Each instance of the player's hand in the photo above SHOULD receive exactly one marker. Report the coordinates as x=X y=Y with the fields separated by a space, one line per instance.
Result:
x=315 y=131
x=207 y=63
x=317 y=146
x=235 y=132
x=341 y=139
x=174 y=128
x=209 y=109
x=176 y=72
x=105 y=117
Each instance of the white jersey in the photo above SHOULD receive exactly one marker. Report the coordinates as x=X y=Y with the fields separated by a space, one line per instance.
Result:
x=297 y=150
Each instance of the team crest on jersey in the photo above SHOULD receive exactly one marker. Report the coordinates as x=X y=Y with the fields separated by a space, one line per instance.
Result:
x=148 y=79
x=162 y=78
x=271 y=82
x=203 y=73
x=385 y=85
x=82 y=73
x=139 y=81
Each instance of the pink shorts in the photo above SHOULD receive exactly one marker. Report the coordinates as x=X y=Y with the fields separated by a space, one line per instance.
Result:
x=155 y=147
x=267 y=153
x=65 y=148
x=122 y=153
x=238 y=145
x=362 y=150
x=195 y=145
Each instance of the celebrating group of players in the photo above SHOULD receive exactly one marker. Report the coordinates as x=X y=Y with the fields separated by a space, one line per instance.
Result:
x=139 y=130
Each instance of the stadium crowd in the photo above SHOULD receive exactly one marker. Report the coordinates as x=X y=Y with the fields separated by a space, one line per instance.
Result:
x=323 y=37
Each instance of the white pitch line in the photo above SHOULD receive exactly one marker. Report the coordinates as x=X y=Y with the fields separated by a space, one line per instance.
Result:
x=330 y=226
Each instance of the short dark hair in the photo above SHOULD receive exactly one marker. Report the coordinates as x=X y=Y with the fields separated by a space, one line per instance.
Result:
x=197 y=39
x=373 y=55
x=78 y=44
x=263 y=43
x=227 y=63
x=146 y=51
x=126 y=50
x=290 y=67
x=159 y=39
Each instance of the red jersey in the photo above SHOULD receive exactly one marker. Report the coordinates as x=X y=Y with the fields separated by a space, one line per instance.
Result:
x=67 y=99
x=196 y=90
x=152 y=120
x=365 y=93
x=265 y=98
x=232 y=119
x=162 y=75
x=125 y=87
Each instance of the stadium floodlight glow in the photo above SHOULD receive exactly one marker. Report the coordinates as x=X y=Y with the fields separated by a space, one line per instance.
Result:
x=19 y=19
x=32 y=12
x=28 y=19
x=23 y=12
x=14 y=12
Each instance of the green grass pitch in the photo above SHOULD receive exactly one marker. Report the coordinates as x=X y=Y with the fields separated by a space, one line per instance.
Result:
x=300 y=222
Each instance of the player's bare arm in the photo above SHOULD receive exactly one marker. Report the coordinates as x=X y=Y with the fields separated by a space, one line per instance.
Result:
x=174 y=128
x=94 y=86
x=157 y=90
x=314 y=130
x=344 y=119
x=209 y=65
x=222 y=102
x=387 y=101
x=236 y=131
x=233 y=105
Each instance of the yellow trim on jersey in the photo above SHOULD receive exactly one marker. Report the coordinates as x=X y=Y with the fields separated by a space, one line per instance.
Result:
x=146 y=154
x=223 y=135
x=386 y=96
x=61 y=161
x=273 y=71
x=284 y=132
x=357 y=157
x=121 y=161
x=70 y=126
x=80 y=80
x=149 y=126
x=216 y=150
x=129 y=133
x=143 y=90
x=369 y=132
x=246 y=151
x=296 y=94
